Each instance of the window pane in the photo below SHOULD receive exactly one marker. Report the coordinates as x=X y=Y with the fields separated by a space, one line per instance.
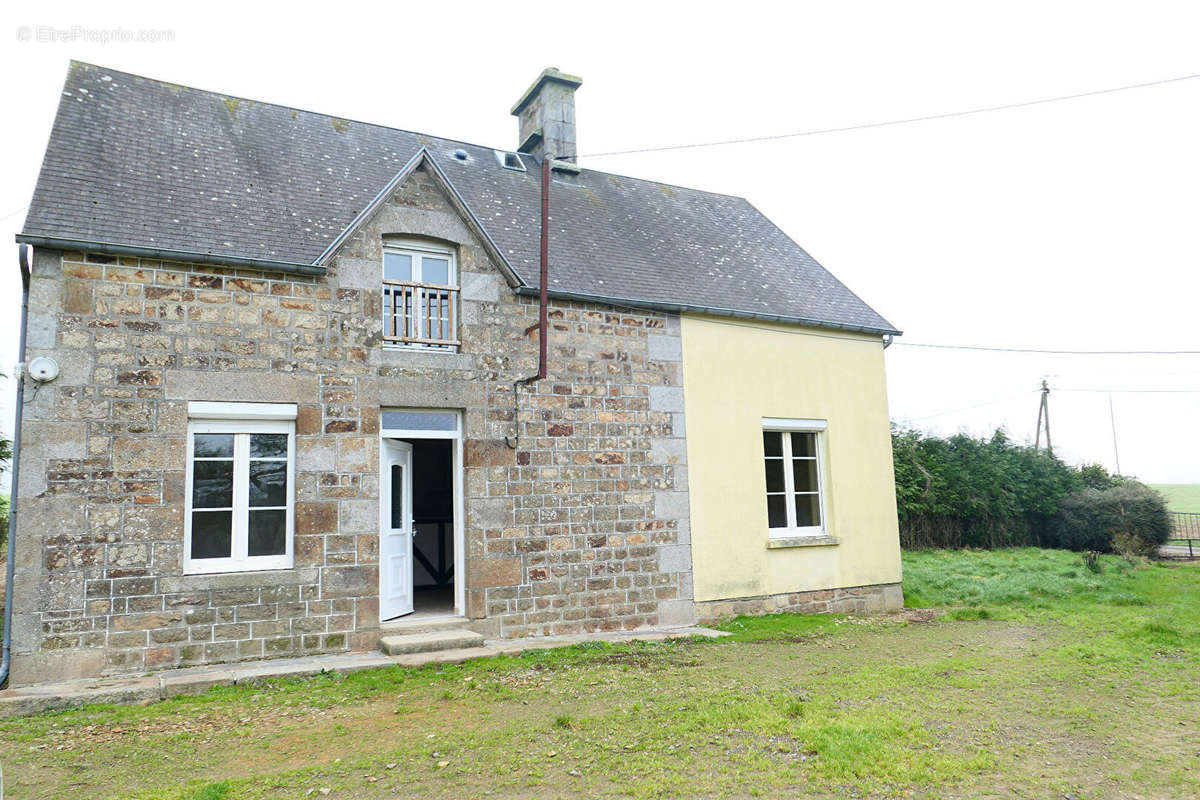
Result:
x=213 y=445
x=389 y=319
x=419 y=420
x=397 y=496
x=268 y=445
x=212 y=534
x=774 y=474
x=773 y=443
x=804 y=444
x=397 y=267
x=212 y=484
x=776 y=511
x=808 y=511
x=268 y=483
x=435 y=270
x=267 y=533
x=804 y=471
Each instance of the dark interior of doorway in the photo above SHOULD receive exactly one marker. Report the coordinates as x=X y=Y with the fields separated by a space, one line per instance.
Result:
x=433 y=519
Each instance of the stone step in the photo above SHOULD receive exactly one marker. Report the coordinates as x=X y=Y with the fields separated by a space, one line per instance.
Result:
x=406 y=625
x=444 y=656
x=429 y=642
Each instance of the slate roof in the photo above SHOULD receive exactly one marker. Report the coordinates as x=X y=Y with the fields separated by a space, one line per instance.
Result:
x=135 y=162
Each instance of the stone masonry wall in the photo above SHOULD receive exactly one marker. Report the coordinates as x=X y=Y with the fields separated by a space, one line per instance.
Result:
x=584 y=527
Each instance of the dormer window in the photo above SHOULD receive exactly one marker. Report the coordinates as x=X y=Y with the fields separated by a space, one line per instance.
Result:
x=420 y=296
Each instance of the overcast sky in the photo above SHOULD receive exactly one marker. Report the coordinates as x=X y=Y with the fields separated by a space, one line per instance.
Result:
x=1070 y=225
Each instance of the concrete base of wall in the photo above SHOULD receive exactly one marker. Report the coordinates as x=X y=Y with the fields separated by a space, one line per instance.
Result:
x=850 y=600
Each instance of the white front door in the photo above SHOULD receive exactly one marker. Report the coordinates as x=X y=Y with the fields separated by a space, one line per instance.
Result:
x=396 y=530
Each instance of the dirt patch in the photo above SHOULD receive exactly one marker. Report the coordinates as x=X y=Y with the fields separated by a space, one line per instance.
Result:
x=648 y=660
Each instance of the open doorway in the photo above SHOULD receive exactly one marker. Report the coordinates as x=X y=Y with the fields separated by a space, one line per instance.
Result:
x=433 y=526
x=420 y=547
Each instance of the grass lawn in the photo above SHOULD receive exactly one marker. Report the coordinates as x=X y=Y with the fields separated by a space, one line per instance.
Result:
x=1181 y=496
x=1042 y=680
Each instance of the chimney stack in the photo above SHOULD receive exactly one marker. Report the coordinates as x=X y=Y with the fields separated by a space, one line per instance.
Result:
x=546 y=115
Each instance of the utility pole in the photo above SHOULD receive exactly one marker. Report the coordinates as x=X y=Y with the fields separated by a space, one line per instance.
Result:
x=1112 y=418
x=1044 y=419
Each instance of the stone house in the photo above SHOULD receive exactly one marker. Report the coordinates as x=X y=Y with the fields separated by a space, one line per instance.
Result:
x=280 y=401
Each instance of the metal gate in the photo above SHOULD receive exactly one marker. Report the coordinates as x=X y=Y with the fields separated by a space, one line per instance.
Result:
x=1184 y=541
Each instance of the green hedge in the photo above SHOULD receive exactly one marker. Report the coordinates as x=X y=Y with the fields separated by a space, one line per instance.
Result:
x=965 y=492
x=960 y=491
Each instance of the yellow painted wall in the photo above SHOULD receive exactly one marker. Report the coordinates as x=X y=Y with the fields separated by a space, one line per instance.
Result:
x=735 y=374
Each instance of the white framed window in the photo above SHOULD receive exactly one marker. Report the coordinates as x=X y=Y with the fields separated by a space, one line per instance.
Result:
x=794 y=468
x=240 y=487
x=420 y=295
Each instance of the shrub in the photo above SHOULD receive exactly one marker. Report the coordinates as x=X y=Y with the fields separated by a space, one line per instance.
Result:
x=1131 y=547
x=1105 y=519
x=1095 y=476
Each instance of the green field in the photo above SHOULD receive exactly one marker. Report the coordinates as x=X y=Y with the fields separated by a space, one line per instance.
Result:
x=1014 y=674
x=1181 y=496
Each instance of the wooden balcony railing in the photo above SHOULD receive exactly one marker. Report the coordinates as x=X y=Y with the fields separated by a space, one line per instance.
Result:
x=420 y=313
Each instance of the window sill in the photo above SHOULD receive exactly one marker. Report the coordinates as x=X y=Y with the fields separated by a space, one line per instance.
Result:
x=398 y=355
x=237 y=580
x=421 y=348
x=782 y=542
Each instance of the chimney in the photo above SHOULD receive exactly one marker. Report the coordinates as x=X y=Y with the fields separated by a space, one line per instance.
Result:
x=546 y=116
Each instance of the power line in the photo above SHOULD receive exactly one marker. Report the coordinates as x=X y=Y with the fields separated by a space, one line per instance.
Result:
x=1129 y=391
x=1051 y=352
x=1025 y=393
x=13 y=213
x=850 y=337
x=991 y=402
x=887 y=123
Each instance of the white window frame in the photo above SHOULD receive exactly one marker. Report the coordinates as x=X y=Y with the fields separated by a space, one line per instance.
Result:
x=415 y=250
x=244 y=419
x=817 y=427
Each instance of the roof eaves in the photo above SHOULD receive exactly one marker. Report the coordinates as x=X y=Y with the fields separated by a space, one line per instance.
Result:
x=657 y=305
x=117 y=248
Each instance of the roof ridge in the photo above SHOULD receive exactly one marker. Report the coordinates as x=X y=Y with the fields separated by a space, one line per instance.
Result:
x=287 y=107
x=162 y=82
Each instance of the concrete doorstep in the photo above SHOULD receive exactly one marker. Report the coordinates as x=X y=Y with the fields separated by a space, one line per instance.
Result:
x=195 y=680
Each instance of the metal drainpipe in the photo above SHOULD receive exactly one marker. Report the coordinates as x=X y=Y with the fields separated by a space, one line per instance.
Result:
x=541 y=326
x=25 y=259
x=545 y=257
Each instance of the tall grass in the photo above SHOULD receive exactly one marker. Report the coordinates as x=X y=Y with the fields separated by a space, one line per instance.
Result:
x=1026 y=577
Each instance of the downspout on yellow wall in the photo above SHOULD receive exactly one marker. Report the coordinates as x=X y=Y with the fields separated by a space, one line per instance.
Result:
x=735 y=374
